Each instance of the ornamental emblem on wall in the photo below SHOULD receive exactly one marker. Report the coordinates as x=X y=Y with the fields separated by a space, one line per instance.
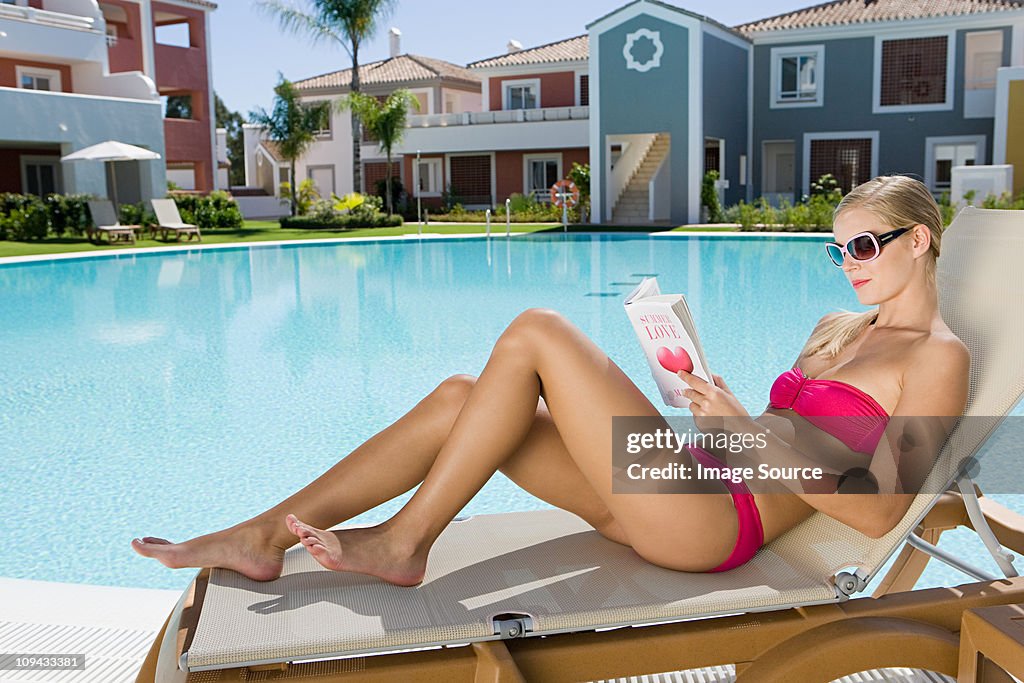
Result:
x=643 y=50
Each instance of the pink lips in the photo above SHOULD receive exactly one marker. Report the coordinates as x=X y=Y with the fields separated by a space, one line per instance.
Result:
x=858 y=283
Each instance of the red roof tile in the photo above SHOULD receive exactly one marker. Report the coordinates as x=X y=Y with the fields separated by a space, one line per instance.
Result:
x=568 y=50
x=403 y=68
x=845 y=12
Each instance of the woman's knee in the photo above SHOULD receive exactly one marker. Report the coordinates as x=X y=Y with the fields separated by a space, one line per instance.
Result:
x=455 y=389
x=531 y=326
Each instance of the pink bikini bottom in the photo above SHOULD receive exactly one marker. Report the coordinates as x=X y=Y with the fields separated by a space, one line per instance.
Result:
x=751 y=534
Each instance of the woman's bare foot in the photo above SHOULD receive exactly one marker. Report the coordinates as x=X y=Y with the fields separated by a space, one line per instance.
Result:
x=243 y=549
x=371 y=550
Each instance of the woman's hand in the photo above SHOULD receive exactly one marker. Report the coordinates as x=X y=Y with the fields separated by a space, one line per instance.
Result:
x=711 y=400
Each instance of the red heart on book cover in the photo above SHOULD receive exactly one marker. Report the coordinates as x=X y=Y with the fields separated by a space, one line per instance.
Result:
x=675 y=360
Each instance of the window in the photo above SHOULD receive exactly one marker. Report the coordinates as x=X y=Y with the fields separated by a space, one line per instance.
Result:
x=521 y=94
x=943 y=153
x=796 y=76
x=182 y=175
x=40 y=175
x=713 y=148
x=584 y=90
x=176 y=34
x=177 y=106
x=984 y=54
x=326 y=132
x=848 y=157
x=913 y=74
x=111 y=35
x=470 y=179
x=542 y=171
x=426 y=177
x=31 y=78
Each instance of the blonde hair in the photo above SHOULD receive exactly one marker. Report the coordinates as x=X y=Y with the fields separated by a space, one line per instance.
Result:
x=897 y=201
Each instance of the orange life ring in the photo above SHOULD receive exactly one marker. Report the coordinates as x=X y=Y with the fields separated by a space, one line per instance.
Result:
x=565 y=192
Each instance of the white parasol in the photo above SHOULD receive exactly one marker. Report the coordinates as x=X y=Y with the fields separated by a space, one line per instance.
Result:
x=112 y=151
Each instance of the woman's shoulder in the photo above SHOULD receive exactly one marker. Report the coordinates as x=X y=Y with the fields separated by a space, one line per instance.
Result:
x=941 y=344
x=939 y=352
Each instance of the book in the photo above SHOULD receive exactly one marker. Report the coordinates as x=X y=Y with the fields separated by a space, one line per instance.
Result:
x=668 y=336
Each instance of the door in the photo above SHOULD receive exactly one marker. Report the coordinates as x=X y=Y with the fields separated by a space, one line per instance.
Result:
x=779 y=171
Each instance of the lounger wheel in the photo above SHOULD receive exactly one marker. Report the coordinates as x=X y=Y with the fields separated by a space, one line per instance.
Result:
x=841 y=648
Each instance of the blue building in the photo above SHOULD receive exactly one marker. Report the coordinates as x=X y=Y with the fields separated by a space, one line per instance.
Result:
x=854 y=88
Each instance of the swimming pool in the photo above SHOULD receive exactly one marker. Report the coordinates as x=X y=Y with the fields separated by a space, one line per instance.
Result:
x=173 y=394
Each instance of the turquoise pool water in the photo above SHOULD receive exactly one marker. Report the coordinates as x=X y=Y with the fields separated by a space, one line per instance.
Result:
x=175 y=394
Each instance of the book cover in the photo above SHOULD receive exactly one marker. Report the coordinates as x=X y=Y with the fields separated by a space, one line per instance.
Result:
x=665 y=329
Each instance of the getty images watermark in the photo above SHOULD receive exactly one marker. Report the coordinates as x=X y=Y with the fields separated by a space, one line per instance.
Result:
x=784 y=452
x=666 y=440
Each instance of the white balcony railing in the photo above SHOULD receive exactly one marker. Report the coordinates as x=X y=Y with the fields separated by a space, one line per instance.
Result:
x=41 y=16
x=502 y=116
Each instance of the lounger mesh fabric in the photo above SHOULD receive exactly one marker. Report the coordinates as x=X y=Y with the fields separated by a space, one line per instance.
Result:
x=552 y=566
x=981 y=288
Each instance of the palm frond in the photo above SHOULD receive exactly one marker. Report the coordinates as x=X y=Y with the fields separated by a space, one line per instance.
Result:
x=312 y=25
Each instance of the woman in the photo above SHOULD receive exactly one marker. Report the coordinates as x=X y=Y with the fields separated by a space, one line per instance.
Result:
x=523 y=416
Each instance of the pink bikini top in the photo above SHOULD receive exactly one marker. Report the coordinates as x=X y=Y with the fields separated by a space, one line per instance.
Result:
x=838 y=408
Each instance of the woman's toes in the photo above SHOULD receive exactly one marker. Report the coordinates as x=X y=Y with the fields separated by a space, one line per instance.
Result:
x=154 y=539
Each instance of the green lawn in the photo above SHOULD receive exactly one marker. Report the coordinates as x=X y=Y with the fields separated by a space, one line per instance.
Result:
x=262 y=231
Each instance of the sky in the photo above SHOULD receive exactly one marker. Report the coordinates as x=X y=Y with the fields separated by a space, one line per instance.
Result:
x=249 y=47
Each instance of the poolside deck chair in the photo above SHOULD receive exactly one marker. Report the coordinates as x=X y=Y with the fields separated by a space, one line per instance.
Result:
x=169 y=220
x=540 y=596
x=105 y=222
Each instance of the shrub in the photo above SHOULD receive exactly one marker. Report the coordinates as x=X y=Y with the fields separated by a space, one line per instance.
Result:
x=709 y=197
x=580 y=175
x=449 y=198
x=397 y=190
x=137 y=214
x=827 y=186
x=30 y=221
x=68 y=213
x=215 y=210
x=304 y=198
x=522 y=203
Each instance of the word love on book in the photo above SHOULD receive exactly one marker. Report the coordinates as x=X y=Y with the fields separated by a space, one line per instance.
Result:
x=659 y=326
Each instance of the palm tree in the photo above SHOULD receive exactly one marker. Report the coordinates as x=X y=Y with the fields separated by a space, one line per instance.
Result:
x=292 y=125
x=346 y=22
x=385 y=121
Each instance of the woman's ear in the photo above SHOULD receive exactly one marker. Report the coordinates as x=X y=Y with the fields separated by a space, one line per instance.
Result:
x=922 y=239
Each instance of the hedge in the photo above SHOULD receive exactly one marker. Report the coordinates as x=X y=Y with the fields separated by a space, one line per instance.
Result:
x=28 y=217
x=343 y=222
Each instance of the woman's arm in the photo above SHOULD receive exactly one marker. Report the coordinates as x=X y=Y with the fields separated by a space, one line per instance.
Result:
x=934 y=396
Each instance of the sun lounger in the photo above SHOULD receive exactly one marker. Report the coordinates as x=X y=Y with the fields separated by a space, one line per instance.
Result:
x=105 y=222
x=169 y=220
x=540 y=596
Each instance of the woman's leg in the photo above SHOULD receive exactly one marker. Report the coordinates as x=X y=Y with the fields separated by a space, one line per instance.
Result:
x=387 y=465
x=541 y=354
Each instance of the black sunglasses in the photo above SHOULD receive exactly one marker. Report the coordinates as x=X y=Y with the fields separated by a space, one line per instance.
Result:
x=864 y=246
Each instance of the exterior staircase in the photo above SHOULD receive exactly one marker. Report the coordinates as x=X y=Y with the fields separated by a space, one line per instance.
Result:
x=633 y=205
